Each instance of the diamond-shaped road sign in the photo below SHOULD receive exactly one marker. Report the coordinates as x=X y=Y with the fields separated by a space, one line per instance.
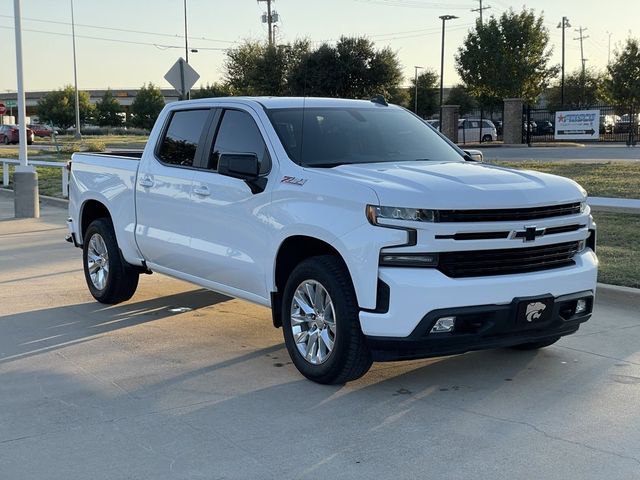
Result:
x=182 y=76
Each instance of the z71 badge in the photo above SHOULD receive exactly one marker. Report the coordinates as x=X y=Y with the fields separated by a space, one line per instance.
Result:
x=293 y=180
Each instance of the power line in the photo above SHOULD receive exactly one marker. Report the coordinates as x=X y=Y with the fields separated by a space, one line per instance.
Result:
x=115 y=40
x=114 y=29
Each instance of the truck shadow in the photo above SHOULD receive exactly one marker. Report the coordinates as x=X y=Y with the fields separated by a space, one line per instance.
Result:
x=49 y=329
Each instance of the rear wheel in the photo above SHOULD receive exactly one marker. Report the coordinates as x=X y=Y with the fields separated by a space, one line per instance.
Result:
x=110 y=279
x=320 y=322
x=536 y=345
x=6 y=140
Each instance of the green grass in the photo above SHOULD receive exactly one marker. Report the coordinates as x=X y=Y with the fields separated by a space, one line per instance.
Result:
x=49 y=181
x=618 y=248
x=110 y=141
x=609 y=179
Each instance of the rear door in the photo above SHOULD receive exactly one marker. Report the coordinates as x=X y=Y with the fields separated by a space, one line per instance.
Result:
x=230 y=230
x=163 y=190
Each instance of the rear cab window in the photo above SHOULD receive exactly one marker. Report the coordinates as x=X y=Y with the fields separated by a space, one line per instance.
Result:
x=182 y=137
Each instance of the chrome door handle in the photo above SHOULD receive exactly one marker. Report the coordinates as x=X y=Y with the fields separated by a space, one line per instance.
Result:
x=146 y=181
x=202 y=190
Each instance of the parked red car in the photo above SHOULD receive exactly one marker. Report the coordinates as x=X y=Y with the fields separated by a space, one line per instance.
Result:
x=10 y=134
x=41 y=130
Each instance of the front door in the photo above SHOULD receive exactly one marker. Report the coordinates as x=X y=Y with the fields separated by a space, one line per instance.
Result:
x=230 y=230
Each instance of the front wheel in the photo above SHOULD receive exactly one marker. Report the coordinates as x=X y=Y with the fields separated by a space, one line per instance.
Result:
x=320 y=322
x=109 y=278
x=487 y=138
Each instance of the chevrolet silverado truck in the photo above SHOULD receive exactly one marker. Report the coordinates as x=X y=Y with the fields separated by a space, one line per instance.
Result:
x=369 y=235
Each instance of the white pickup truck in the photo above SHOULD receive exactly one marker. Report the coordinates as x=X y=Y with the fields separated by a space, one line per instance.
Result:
x=368 y=234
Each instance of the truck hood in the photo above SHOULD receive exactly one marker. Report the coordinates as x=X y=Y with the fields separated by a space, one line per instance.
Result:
x=459 y=185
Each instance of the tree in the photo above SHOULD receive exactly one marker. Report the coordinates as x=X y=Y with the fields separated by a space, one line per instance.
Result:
x=58 y=107
x=108 y=111
x=353 y=68
x=458 y=95
x=256 y=68
x=212 y=90
x=579 y=91
x=146 y=106
x=427 y=93
x=506 y=57
x=624 y=72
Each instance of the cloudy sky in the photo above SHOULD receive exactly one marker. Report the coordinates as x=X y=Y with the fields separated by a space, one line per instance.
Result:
x=125 y=43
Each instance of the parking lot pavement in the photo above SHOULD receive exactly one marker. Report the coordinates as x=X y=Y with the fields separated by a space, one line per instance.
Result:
x=147 y=390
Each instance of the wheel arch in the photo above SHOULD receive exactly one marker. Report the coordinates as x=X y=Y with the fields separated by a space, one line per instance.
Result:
x=91 y=210
x=293 y=250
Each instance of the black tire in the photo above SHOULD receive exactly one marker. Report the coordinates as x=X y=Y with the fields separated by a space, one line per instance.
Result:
x=121 y=278
x=350 y=358
x=6 y=141
x=536 y=345
x=487 y=138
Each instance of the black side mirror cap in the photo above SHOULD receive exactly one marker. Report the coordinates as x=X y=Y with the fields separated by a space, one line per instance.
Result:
x=239 y=165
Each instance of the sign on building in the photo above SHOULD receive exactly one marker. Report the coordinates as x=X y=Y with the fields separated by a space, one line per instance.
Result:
x=577 y=125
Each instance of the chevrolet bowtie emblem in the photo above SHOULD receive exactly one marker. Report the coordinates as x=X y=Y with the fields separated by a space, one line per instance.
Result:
x=529 y=234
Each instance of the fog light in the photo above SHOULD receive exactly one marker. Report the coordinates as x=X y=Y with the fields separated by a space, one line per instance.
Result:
x=581 y=306
x=444 y=325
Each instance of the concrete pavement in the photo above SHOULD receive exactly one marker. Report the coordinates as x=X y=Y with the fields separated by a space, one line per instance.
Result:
x=592 y=153
x=149 y=390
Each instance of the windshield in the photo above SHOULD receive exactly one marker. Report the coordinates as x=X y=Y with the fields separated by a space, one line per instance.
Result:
x=336 y=136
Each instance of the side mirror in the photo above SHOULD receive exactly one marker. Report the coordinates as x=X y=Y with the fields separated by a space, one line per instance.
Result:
x=474 y=156
x=239 y=165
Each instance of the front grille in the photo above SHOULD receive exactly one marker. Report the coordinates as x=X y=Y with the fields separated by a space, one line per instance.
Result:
x=508 y=214
x=480 y=263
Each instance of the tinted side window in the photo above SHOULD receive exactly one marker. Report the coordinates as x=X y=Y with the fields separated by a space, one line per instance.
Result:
x=238 y=133
x=486 y=124
x=181 y=139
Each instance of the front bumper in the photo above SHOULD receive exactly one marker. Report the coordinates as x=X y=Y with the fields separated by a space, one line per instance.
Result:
x=415 y=292
x=482 y=327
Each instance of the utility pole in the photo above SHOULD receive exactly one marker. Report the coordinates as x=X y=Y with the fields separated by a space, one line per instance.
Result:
x=78 y=134
x=270 y=17
x=581 y=38
x=564 y=24
x=583 y=79
x=480 y=9
x=609 y=49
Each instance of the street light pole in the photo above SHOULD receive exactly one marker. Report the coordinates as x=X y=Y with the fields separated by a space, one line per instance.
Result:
x=444 y=18
x=78 y=134
x=25 y=179
x=416 y=94
x=186 y=43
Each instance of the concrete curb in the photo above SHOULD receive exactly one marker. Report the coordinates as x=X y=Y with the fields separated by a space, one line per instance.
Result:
x=618 y=289
x=519 y=145
x=44 y=199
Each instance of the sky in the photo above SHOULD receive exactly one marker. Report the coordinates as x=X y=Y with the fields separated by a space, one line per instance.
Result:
x=125 y=43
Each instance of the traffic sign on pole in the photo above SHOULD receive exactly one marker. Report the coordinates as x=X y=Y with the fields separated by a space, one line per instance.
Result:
x=182 y=77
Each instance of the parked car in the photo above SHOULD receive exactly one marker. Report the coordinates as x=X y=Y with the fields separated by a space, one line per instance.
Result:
x=469 y=130
x=368 y=234
x=434 y=123
x=626 y=123
x=608 y=122
x=11 y=134
x=43 y=131
x=544 y=127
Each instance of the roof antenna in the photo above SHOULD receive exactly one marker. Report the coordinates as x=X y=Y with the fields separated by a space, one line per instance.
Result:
x=380 y=100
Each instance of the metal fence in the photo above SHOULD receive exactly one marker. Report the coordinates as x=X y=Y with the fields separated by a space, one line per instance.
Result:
x=616 y=125
x=7 y=162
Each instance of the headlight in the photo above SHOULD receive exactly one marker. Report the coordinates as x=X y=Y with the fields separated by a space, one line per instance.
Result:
x=375 y=213
x=583 y=206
